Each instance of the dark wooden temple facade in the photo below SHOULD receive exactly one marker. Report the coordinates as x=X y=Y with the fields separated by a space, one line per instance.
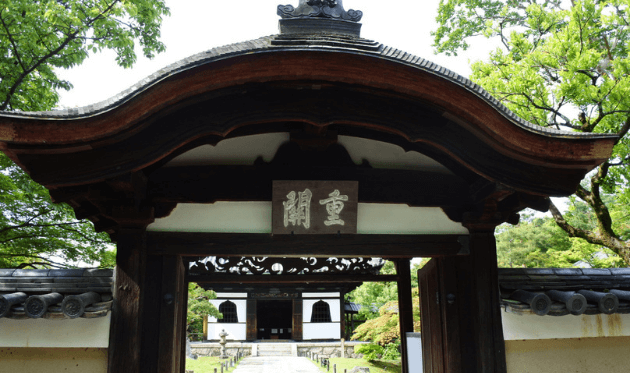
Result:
x=317 y=82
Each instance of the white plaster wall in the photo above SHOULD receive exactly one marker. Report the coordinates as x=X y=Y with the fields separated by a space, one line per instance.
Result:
x=221 y=217
x=321 y=330
x=237 y=151
x=236 y=332
x=320 y=295
x=307 y=310
x=255 y=217
x=385 y=155
x=384 y=218
x=53 y=360
x=244 y=151
x=231 y=295
x=526 y=327
x=574 y=355
x=241 y=309
x=80 y=332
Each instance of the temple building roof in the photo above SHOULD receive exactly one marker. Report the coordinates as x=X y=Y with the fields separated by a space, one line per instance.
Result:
x=87 y=293
x=565 y=291
x=55 y=293
x=318 y=81
x=294 y=43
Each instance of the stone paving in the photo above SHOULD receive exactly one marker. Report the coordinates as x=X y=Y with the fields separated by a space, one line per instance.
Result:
x=276 y=364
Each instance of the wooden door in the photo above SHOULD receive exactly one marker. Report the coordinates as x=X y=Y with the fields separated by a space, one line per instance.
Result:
x=296 y=330
x=439 y=316
x=251 y=322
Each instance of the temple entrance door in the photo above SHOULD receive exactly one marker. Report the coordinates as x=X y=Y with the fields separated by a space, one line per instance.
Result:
x=274 y=319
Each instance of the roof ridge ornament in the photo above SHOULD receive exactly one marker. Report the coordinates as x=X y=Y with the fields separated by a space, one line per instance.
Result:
x=319 y=17
x=320 y=8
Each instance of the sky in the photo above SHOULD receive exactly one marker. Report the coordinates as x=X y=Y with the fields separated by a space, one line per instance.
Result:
x=199 y=25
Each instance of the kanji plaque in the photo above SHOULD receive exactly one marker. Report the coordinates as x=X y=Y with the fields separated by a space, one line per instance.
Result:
x=315 y=207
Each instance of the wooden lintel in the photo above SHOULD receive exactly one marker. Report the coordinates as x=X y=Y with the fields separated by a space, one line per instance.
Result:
x=340 y=246
x=288 y=279
x=195 y=184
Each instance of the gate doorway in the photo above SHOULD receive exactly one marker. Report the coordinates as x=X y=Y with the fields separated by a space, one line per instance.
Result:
x=274 y=319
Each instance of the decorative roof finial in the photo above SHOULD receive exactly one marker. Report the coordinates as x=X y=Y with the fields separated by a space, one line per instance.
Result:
x=313 y=10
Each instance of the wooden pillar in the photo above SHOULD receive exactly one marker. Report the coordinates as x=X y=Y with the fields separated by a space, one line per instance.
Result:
x=251 y=322
x=297 y=331
x=173 y=301
x=126 y=323
x=405 y=308
x=461 y=318
x=148 y=318
x=481 y=329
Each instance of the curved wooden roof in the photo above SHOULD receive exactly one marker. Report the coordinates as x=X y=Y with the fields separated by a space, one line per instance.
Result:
x=317 y=83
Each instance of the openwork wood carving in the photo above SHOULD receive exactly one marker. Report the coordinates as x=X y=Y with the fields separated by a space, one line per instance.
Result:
x=285 y=266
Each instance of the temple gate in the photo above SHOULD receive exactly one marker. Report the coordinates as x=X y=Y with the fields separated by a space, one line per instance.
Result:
x=182 y=166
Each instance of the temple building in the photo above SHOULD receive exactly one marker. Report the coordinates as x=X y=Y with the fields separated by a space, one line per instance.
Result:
x=301 y=312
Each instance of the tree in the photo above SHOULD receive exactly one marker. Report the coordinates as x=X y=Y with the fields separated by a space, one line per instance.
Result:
x=379 y=307
x=384 y=329
x=373 y=295
x=560 y=64
x=37 y=37
x=38 y=233
x=538 y=242
x=198 y=307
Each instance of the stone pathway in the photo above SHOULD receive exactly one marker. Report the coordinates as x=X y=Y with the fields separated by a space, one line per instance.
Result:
x=275 y=364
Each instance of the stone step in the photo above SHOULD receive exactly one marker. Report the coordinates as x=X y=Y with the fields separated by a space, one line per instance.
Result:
x=274 y=349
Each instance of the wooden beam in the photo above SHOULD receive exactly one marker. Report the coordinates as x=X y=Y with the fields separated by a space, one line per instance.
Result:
x=262 y=244
x=192 y=184
x=289 y=279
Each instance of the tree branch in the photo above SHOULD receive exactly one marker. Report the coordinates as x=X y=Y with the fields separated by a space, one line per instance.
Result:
x=29 y=225
x=13 y=44
x=69 y=38
x=604 y=236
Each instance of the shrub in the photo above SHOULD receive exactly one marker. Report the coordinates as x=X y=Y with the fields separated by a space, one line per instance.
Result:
x=392 y=351
x=370 y=351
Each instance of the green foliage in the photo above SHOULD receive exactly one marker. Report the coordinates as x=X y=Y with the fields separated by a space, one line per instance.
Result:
x=38 y=36
x=370 y=351
x=383 y=329
x=198 y=307
x=392 y=351
x=34 y=232
x=538 y=242
x=373 y=351
x=382 y=326
x=561 y=64
x=372 y=295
